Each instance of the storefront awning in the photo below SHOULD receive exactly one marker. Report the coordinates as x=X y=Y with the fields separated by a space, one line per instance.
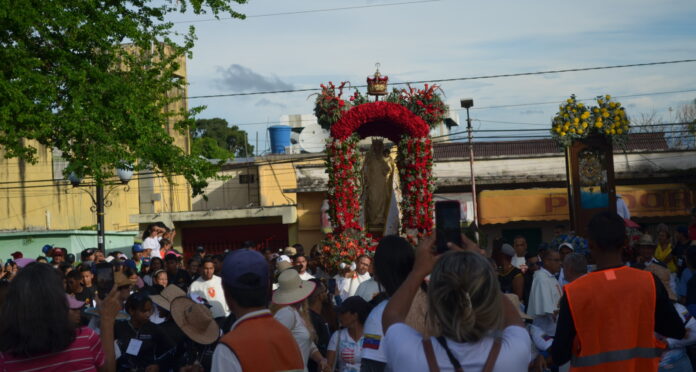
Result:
x=503 y=206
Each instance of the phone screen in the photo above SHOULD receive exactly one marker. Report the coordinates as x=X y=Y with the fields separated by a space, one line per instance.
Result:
x=105 y=279
x=447 y=225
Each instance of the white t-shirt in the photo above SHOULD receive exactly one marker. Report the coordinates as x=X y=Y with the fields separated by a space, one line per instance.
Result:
x=368 y=290
x=152 y=243
x=349 y=353
x=306 y=276
x=405 y=351
x=544 y=299
x=211 y=290
x=290 y=318
x=373 y=344
x=350 y=285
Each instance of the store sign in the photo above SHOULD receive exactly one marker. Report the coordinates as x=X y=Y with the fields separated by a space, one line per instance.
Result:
x=502 y=206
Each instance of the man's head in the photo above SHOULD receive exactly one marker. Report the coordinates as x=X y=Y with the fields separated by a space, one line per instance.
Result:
x=245 y=279
x=194 y=264
x=646 y=247
x=558 y=230
x=682 y=234
x=171 y=263
x=564 y=249
x=207 y=269
x=200 y=250
x=87 y=255
x=504 y=259
x=73 y=281
x=574 y=266
x=99 y=256
x=87 y=276
x=533 y=262
x=268 y=253
x=58 y=255
x=138 y=252
x=520 y=245
x=301 y=263
x=218 y=260
x=552 y=261
x=606 y=234
x=363 y=264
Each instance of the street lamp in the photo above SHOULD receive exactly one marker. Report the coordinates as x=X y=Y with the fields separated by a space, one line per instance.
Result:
x=468 y=103
x=100 y=200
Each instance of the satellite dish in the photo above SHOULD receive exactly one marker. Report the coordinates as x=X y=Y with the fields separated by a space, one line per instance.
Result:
x=313 y=138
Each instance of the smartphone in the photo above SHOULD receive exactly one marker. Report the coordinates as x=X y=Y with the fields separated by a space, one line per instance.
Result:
x=447 y=225
x=105 y=279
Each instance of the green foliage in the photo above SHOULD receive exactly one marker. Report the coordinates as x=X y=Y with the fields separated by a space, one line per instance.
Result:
x=208 y=148
x=229 y=140
x=98 y=80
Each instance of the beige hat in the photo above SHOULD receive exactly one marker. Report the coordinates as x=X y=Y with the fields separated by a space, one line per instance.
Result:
x=167 y=295
x=290 y=251
x=663 y=274
x=292 y=289
x=195 y=320
x=283 y=265
x=646 y=240
x=516 y=301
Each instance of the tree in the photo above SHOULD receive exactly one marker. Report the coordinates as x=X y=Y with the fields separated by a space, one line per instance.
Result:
x=98 y=80
x=231 y=139
x=679 y=130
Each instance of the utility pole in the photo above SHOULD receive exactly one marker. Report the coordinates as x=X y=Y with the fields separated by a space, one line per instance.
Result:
x=468 y=103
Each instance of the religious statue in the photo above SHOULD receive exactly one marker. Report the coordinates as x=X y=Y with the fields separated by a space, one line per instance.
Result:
x=378 y=173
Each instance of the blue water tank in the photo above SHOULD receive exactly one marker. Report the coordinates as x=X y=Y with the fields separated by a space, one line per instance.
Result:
x=280 y=138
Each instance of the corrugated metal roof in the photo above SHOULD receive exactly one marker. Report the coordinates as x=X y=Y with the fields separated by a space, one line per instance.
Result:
x=458 y=150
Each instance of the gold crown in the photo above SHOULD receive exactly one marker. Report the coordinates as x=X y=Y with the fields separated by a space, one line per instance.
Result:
x=377 y=84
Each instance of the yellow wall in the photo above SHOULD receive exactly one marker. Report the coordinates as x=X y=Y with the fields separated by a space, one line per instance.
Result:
x=273 y=179
x=229 y=193
x=309 y=218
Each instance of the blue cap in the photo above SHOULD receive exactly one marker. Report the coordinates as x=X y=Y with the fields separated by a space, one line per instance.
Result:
x=46 y=248
x=243 y=262
x=146 y=261
x=130 y=263
x=138 y=248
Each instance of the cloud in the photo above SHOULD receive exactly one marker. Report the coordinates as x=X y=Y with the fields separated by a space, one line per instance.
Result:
x=268 y=103
x=243 y=79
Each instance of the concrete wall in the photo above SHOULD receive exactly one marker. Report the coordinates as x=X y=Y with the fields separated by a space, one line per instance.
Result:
x=229 y=193
x=30 y=243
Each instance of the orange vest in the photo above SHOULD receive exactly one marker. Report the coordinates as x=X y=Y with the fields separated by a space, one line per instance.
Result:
x=263 y=344
x=614 y=315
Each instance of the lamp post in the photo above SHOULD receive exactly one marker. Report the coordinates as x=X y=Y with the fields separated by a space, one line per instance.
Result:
x=468 y=103
x=99 y=200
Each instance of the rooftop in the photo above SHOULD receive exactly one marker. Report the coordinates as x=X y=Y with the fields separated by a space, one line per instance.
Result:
x=637 y=142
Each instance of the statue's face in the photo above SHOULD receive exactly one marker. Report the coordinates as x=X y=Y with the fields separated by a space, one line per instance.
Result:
x=377 y=146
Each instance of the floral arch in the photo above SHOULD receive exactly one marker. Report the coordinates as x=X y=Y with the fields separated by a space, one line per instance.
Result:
x=405 y=117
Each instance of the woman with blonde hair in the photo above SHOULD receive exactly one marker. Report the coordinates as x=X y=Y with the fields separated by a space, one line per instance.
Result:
x=291 y=309
x=475 y=327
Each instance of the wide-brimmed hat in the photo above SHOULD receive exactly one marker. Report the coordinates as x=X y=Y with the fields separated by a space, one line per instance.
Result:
x=292 y=289
x=646 y=240
x=195 y=320
x=516 y=301
x=290 y=251
x=167 y=295
x=663 y=274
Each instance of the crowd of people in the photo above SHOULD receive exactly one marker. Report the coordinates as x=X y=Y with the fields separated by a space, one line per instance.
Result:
x=608 y=303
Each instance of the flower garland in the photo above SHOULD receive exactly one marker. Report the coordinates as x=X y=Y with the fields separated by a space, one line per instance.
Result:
x=343 y=166
x=425 y=103
x=329 y=106
x=415 y=162
x=575 y=121
x=387 y=120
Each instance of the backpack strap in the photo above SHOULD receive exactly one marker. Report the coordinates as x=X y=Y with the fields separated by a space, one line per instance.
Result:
x=430 y=355
x=493 y=355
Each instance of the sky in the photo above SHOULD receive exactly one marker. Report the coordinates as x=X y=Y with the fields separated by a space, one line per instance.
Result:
x=442 y=39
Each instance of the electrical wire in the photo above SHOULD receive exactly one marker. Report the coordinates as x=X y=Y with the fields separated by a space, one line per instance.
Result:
x=297 y=12
x=480 y=77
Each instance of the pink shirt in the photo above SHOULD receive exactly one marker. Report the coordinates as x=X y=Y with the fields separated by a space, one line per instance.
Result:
x=84 y=354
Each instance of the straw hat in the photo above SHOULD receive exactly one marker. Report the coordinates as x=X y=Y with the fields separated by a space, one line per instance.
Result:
x=167 y=295
x=292 y=289
x=195 y=320
x=646 y=240
x=516 y=301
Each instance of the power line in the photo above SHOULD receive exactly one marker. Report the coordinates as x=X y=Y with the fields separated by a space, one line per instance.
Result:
x=481 y=77
x=324 y=10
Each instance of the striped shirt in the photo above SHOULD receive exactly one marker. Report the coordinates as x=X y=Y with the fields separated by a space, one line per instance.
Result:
x=84 y=354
